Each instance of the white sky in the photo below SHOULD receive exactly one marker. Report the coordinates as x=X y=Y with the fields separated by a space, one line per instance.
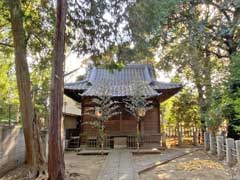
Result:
x=74 y=62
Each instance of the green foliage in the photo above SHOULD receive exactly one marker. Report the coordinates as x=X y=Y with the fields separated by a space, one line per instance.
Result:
x=96 y=26
x=138 y=100
x=181 y=109
x=122 y=30
x=234 y=96
x=39 y=22
x=8 y=94
x=218 y=112
x=138 y=104
x=234 y=68
x=146 y=20
x=105 y=108
x=236 y=104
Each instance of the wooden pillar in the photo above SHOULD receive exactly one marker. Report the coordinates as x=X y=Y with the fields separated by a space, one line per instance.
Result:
x=121 y=121
x=158 y=107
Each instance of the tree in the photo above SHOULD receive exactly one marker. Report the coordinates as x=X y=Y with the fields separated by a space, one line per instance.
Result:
x=105 y=108
x=189 y=39
x=233 y=93
x=34 y=153
x=99 y=27
x=55 y=158
x=137 y=105
x=9 y=100
x=195 y=38
x=31 y=20
x=219 y=110
x=182 y=110
x=38 y=26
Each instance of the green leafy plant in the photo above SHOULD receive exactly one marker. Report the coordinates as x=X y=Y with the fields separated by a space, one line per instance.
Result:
x=105 y=108
x=138 y=104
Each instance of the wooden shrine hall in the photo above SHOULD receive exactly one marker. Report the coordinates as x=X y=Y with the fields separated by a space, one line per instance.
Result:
x=121 y=129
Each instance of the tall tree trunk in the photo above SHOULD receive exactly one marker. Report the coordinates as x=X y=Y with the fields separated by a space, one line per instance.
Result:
x=34 y=153
x=56 y=158
x=202 y=105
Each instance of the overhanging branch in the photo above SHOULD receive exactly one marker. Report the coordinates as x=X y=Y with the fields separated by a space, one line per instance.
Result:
x=6 y=45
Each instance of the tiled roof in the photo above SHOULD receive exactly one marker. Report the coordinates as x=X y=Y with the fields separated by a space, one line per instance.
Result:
x=165 y=85
x=79 y=85
x=120 y=90
x=129 y=74
x=120 y=82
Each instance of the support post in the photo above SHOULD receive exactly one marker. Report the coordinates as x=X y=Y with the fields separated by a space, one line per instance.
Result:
x=212 y=139
x=44 y=138
x=206 y=141
x=220 y=147
x=195 y=137
x=237 y=143
x=164 y=144
x=1 y=141
x=229 y=147
x=180 y=138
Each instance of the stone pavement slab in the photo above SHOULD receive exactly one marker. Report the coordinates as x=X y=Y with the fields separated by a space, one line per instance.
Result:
x=119 y=165
x=149 y=161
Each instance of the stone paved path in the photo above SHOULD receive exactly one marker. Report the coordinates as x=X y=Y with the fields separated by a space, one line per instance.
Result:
x=119 y=165
x=149 y=161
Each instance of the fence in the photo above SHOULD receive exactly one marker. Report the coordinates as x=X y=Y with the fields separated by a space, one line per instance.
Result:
x=129 y=141
x=183 y=135
x=185 y=132
x=224 y=148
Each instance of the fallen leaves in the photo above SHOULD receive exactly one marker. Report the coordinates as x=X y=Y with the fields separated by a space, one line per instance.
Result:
x=198 y=164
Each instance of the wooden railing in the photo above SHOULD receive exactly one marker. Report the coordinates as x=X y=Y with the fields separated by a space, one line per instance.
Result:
x=131 y=140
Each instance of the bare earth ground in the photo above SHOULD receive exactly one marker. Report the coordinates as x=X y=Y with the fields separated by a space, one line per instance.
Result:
x=195 y=166
x=77 y=168
x=83 y=167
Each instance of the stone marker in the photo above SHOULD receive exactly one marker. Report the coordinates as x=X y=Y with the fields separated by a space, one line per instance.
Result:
x=164 y=144
x=195 y=138
x=179 y=138
x=213 y=147
x=206 y=141
x=229 y=152
x=237 y=143
x=44 y=135
x=220 y=147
